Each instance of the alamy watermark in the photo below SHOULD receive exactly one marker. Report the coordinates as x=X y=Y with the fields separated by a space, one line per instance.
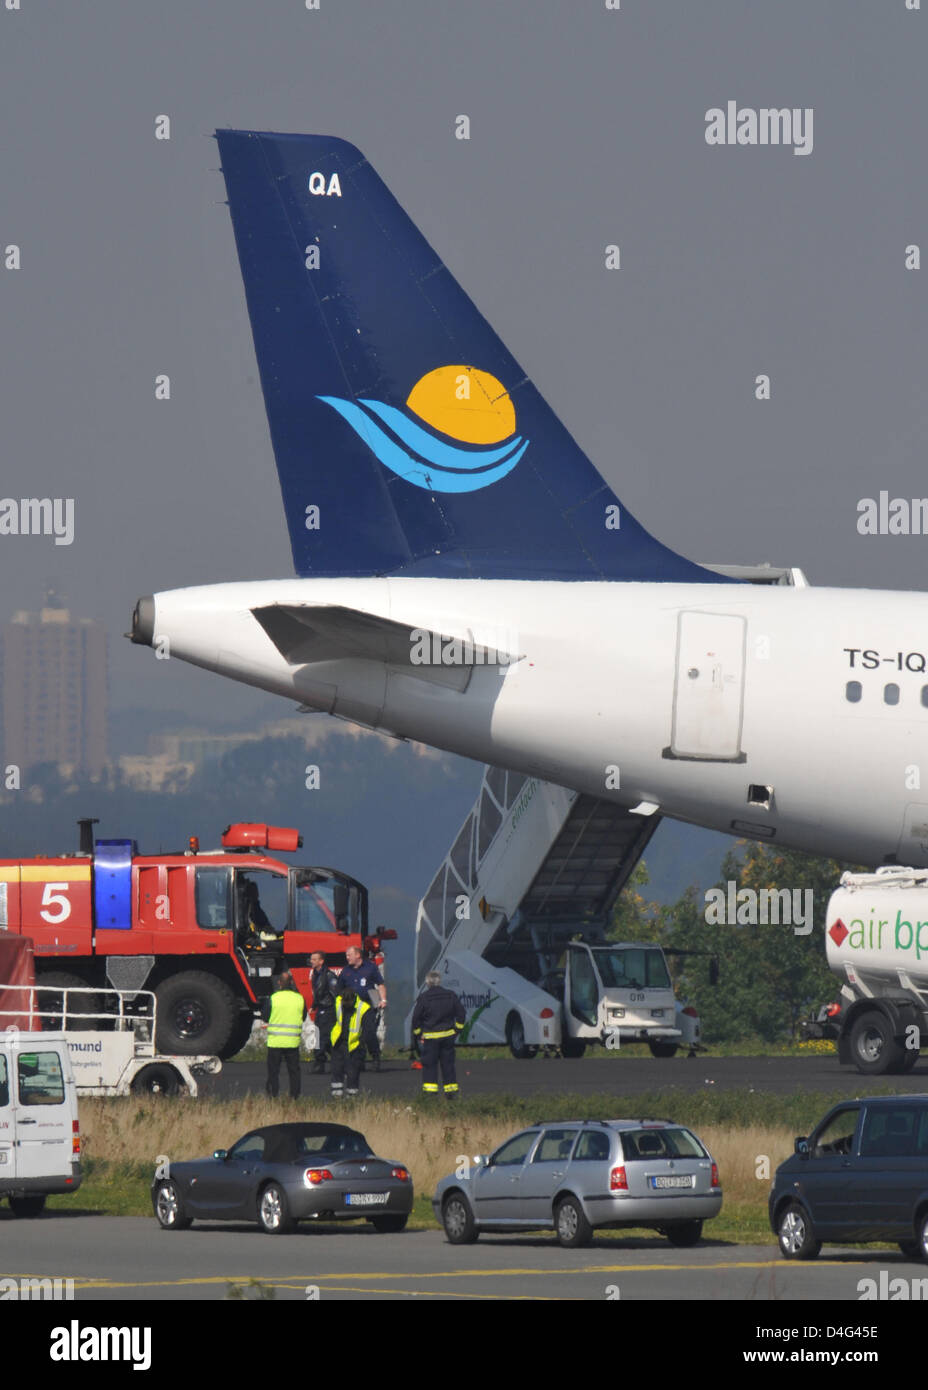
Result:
x=38 y=516
x=766 y=125
x=750 y=907
x=36 y=1289
x=433 y=649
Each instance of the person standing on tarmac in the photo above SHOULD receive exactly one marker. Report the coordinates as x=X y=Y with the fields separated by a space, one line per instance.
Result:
x=350 y=1033
x=437 y=1020
x=364 y=977
x=325 y=984
x=285 y=1011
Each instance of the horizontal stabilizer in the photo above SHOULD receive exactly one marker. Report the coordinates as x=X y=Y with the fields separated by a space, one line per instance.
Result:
x=305 y=634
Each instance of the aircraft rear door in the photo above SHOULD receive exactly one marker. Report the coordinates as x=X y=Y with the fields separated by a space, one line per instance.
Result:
x=708 y=702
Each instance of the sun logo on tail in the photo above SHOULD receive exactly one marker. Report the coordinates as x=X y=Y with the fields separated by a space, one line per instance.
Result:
x=466 y=439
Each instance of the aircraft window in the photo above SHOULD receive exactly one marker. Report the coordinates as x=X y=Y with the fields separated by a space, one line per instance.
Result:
x=853 y=691
x=891 y=694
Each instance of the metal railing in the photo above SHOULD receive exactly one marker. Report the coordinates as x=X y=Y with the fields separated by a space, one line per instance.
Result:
x=49 y=1006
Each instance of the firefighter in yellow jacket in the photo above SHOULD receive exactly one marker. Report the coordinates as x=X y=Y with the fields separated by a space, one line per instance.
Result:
x=285 y=1010
x=350 y=1037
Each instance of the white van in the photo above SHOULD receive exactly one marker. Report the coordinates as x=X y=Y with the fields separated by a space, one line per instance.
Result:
x=40 y=1140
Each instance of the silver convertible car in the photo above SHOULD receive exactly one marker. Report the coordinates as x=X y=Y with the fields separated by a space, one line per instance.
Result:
x=282 y=1174
x=578 y=1175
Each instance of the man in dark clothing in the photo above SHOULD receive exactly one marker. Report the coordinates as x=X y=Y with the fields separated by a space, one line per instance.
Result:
x=437 y=1020
x=325 y=985
x=363 y=976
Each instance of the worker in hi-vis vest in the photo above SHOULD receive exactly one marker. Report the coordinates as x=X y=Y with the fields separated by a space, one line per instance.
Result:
x=350 y=1037
x=286 y=1010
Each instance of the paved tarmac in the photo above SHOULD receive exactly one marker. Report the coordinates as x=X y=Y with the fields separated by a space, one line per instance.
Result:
x=598 y=1075
x=113 y=1258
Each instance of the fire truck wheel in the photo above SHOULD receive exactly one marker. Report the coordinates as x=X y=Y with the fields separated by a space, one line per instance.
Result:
x=241 y=1032
x=196 y=1013
x=78 y=1004
x=156 y=1080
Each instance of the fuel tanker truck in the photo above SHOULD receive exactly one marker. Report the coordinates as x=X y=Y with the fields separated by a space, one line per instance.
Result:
x=876 y=938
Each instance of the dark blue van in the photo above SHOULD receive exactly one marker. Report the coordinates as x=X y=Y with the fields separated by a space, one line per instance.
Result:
x=861 y=1175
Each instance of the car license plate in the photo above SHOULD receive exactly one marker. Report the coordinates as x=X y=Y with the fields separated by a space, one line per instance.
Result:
x=672 y=1181
x=366 y=1199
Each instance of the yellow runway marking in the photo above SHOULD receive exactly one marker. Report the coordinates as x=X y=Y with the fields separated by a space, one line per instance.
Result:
x=582 y=1269
x=433 y=1293
x=344 y=1282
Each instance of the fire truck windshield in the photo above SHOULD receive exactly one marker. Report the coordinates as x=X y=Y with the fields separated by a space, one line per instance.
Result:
x=322 y=903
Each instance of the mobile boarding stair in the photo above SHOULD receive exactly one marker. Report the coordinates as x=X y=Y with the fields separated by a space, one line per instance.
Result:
x=533 y=867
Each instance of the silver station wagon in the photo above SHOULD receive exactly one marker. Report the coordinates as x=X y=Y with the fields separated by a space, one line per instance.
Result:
x=577 y=1175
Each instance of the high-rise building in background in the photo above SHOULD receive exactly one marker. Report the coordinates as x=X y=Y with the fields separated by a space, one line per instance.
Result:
x=54 y=689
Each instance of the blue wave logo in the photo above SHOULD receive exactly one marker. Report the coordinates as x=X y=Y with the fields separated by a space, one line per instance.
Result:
x=466 y=441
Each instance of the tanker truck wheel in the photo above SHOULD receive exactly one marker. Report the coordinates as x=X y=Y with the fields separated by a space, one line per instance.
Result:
x=873 y=1046
x=196 y=1013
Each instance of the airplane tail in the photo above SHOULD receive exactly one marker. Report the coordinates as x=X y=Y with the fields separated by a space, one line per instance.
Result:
x=408 y=440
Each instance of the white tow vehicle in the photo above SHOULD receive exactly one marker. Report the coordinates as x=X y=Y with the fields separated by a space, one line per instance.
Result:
x=110 y=1038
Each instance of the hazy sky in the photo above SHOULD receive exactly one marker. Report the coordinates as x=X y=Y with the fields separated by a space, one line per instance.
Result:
x=587 y=128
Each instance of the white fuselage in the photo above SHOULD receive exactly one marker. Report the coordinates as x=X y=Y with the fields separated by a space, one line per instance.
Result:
x=794 y=715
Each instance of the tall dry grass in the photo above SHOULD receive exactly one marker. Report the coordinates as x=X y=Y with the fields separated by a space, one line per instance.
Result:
x=740 y=1152
x=139 y=1130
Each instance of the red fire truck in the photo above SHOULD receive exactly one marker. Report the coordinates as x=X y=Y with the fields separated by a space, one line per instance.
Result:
x=206 y=931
